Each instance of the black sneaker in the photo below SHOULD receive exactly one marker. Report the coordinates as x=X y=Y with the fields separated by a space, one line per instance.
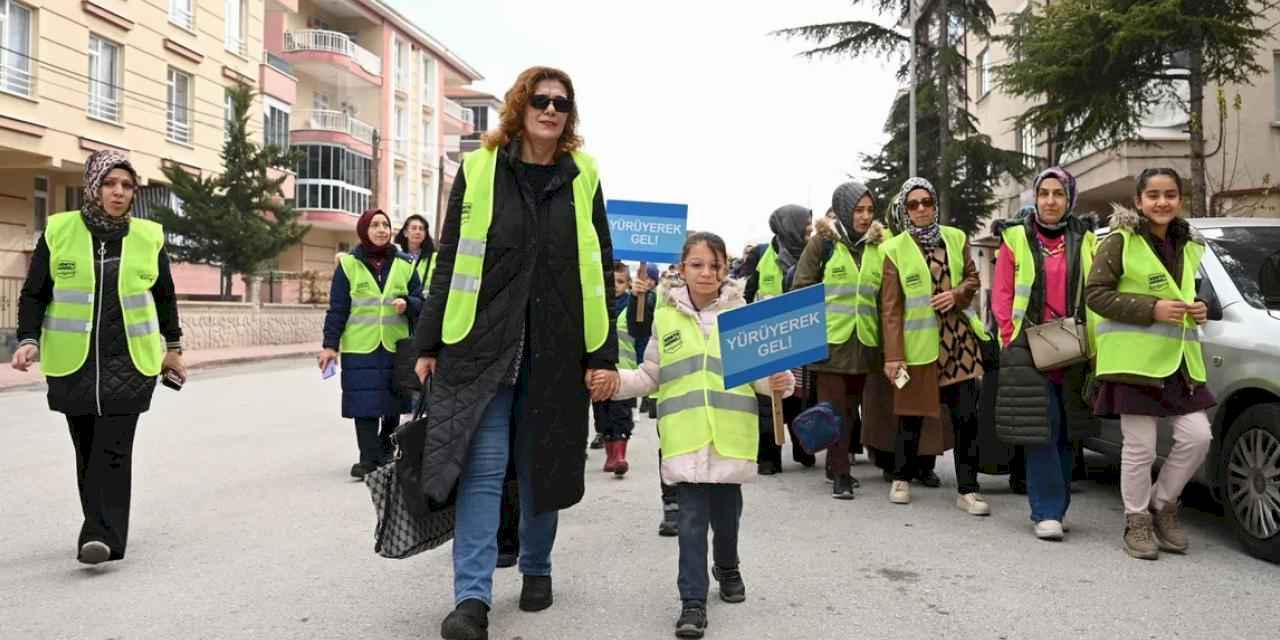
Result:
x=361 y=469
x=597 y=442
x=768 y=468
x=693 y=620
x=887 y=475
x=732 y=588
x=507 y=558
x=842 y=488
x=470 y=621
x=1018 y=485
x=929 y=479
x=670 y=525
x=536 y=593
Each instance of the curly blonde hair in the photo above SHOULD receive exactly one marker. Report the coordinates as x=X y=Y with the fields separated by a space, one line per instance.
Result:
x=511 y=120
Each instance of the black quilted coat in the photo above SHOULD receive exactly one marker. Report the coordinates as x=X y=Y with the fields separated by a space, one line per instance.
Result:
x=530 y=287
x=1022 y=400
x=107 y=383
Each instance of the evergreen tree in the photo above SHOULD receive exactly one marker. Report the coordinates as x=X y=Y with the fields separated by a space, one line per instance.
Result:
x=237 y=220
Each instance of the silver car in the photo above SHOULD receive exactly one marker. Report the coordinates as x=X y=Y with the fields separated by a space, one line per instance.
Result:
x=1240 y=279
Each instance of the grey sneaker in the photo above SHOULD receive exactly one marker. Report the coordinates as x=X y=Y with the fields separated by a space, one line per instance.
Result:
x=94 y=552
x=1170 y=535
x=1139 y=539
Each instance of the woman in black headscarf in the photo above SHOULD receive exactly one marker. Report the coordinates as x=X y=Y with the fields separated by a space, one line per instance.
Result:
x=104 y=325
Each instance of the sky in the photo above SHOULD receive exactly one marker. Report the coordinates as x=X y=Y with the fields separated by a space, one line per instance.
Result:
x=689 y=102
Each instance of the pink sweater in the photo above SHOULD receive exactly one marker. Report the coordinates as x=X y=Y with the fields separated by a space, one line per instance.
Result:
x=1055 y=288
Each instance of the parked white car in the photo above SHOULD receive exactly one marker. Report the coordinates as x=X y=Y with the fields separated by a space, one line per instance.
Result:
x=1240 y=280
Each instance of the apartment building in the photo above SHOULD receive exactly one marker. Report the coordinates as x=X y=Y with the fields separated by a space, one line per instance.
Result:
x=1250 y=143
x=484 y=109
x=353 y=83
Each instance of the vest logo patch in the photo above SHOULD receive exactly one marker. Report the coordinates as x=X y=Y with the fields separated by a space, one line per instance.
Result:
x=65 y=269
x=672 y=342
x=147 y=275
x=1157 y=281
x=466 y=212
x=913 y=280
x=364 y=287
x=839 y=272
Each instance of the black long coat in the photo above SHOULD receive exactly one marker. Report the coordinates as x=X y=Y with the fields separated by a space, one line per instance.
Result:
x=530 y=288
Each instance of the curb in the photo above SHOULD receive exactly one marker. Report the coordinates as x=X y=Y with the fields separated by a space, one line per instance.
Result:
x=208 y=364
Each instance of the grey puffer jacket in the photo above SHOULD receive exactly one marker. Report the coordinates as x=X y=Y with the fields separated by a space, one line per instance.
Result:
x=1022 y=399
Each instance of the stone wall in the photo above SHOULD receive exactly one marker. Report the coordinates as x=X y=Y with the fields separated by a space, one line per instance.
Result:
x=216 y=325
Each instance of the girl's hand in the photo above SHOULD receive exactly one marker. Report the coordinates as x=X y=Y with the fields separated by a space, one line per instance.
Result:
x=1171 y=311
x=603 y=384
x=400 y=304
x=1199 y=312
x=780 y=381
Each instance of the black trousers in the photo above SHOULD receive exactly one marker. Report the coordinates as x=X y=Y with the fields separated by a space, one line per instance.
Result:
x=613 y=419
x=373 y=438
x=768 y=451
x=104 y=473
x=961 y=405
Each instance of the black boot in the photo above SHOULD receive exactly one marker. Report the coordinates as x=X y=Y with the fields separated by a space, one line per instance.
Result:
x=597 y=442
x=361 y=469
x=732 y=588
x=470 y=621
x=536 y=594
x=693 y=620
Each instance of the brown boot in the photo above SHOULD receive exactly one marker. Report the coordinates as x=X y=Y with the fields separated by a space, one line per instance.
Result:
x=1169 y=533
x=1139 y=539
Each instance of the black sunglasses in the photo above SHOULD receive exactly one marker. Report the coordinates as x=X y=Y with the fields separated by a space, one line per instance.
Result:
x=912 y=205
x=540 y=101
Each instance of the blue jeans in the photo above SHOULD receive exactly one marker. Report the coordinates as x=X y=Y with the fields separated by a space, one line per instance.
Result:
x=701 y=505
x=475 y=543
x=1049 y=465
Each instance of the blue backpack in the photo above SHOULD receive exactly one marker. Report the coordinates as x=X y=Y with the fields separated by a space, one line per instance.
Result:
x=817 y=427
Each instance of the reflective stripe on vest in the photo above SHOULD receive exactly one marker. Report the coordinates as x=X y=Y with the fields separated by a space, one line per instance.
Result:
x=1024 y=275
x=771 y=275
x=373 y=320
x=1159 y=349
x=626 y=344
x=479 y=168
x=69 y=318
x=694 y=408
x=870 y=275
x=920 y=322
x=841 y=280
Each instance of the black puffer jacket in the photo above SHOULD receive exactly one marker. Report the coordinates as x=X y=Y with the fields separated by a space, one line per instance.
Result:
x=1022 y=400
x=530 y=295
x=107 y=383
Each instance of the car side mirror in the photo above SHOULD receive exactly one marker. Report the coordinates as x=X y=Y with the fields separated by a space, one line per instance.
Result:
x=1206 y=292
x=1269 y=281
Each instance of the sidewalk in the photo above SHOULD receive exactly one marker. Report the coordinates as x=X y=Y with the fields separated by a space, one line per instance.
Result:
x=13 y=379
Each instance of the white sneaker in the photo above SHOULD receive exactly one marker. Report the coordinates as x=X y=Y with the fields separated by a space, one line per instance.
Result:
x=94 y=552
x=973 y=504
x=1049 y=530
x=900 y=492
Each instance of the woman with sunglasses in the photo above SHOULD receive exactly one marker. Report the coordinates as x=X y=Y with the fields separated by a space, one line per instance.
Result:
x=514 y=327
x=931 y=339
x=1039 y=276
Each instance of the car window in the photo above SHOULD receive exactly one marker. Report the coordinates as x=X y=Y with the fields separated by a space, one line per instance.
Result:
x=1242 y=252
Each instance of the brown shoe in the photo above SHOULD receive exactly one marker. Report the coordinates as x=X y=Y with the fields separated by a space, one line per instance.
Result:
x=1169 y=533
x=1139 y=540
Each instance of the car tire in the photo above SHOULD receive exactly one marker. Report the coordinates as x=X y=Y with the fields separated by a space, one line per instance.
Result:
x=1249 y=469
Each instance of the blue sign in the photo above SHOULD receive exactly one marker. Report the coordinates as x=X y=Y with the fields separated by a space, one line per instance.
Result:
x=773 y=335
x=647 y=231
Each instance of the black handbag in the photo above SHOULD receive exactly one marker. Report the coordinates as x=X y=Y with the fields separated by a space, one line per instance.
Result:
x=404 y=380
x=408 y=522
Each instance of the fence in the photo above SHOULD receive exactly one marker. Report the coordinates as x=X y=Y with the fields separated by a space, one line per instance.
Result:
x=10 y=288
x=286 y=287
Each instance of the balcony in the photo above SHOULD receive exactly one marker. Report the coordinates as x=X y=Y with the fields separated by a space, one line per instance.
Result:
x=317 y=52
x=450 y=167
x=458 y=119
x=16 y=73
x=336 y=122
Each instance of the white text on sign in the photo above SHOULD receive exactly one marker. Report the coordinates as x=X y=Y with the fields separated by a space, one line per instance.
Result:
x=773 y=338
x=643 y=232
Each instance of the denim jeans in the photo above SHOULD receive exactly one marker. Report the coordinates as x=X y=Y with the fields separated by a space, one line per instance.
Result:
x=1049 y=465
x=717 y=505
x=373 y=438
x=475 y=543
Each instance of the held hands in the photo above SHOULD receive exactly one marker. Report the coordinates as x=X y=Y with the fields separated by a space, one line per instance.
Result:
x=400 y=305
x=326 y=357
x=603 y=383
x=1199 y=312
x=425 y=368
x=943 y=302
x=1172 y=311
x=173 y=361
x=24 y=357
x=891 y=369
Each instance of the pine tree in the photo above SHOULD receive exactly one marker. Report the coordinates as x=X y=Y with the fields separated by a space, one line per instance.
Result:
x=237 y=220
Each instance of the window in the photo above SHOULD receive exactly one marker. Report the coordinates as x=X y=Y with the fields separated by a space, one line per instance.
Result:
x=72 y=198
x=426 y=197
x=428 y=80
x=234 y=34
x=228 y=112
x=480 y=116
x=1276 y=78
x=15 y=49
x=333 y=177
x=401 y=68
x=320 y=102
x=402 y=135
x=104 y=79
x=398 y=191
x=40 y=203
x=178 y=112
x=181 y=13
x=275 y=128
x=984 y=72
x=1028 y=146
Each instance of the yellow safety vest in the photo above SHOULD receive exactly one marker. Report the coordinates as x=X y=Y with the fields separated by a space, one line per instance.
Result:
x=69 y=318
x=1156 y=350
x=1024 y=277
x=479 y=168
x=373 y=320
x=626 y=345
x=920 y=321
x=694 y=408
x=771 y=276
x=841 y=281
x=867 y=303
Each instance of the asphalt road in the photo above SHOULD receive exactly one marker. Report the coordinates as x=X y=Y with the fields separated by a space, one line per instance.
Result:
x=245 y=525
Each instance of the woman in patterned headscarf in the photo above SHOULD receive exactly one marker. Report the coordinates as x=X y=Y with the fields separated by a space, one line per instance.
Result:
x=104 y=323
x=930 y=335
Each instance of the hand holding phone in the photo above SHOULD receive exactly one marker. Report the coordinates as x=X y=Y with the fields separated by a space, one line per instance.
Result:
x=330 y=370
x=172 y=379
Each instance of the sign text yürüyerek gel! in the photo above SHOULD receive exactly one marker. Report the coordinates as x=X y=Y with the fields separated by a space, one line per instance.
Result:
x=647 y=231
x=773 y=335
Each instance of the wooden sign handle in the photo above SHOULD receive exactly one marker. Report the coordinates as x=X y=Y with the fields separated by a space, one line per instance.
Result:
x=640 y=301
x=779 y=427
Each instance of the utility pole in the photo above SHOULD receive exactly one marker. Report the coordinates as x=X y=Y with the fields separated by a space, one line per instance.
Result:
x=911 y=127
